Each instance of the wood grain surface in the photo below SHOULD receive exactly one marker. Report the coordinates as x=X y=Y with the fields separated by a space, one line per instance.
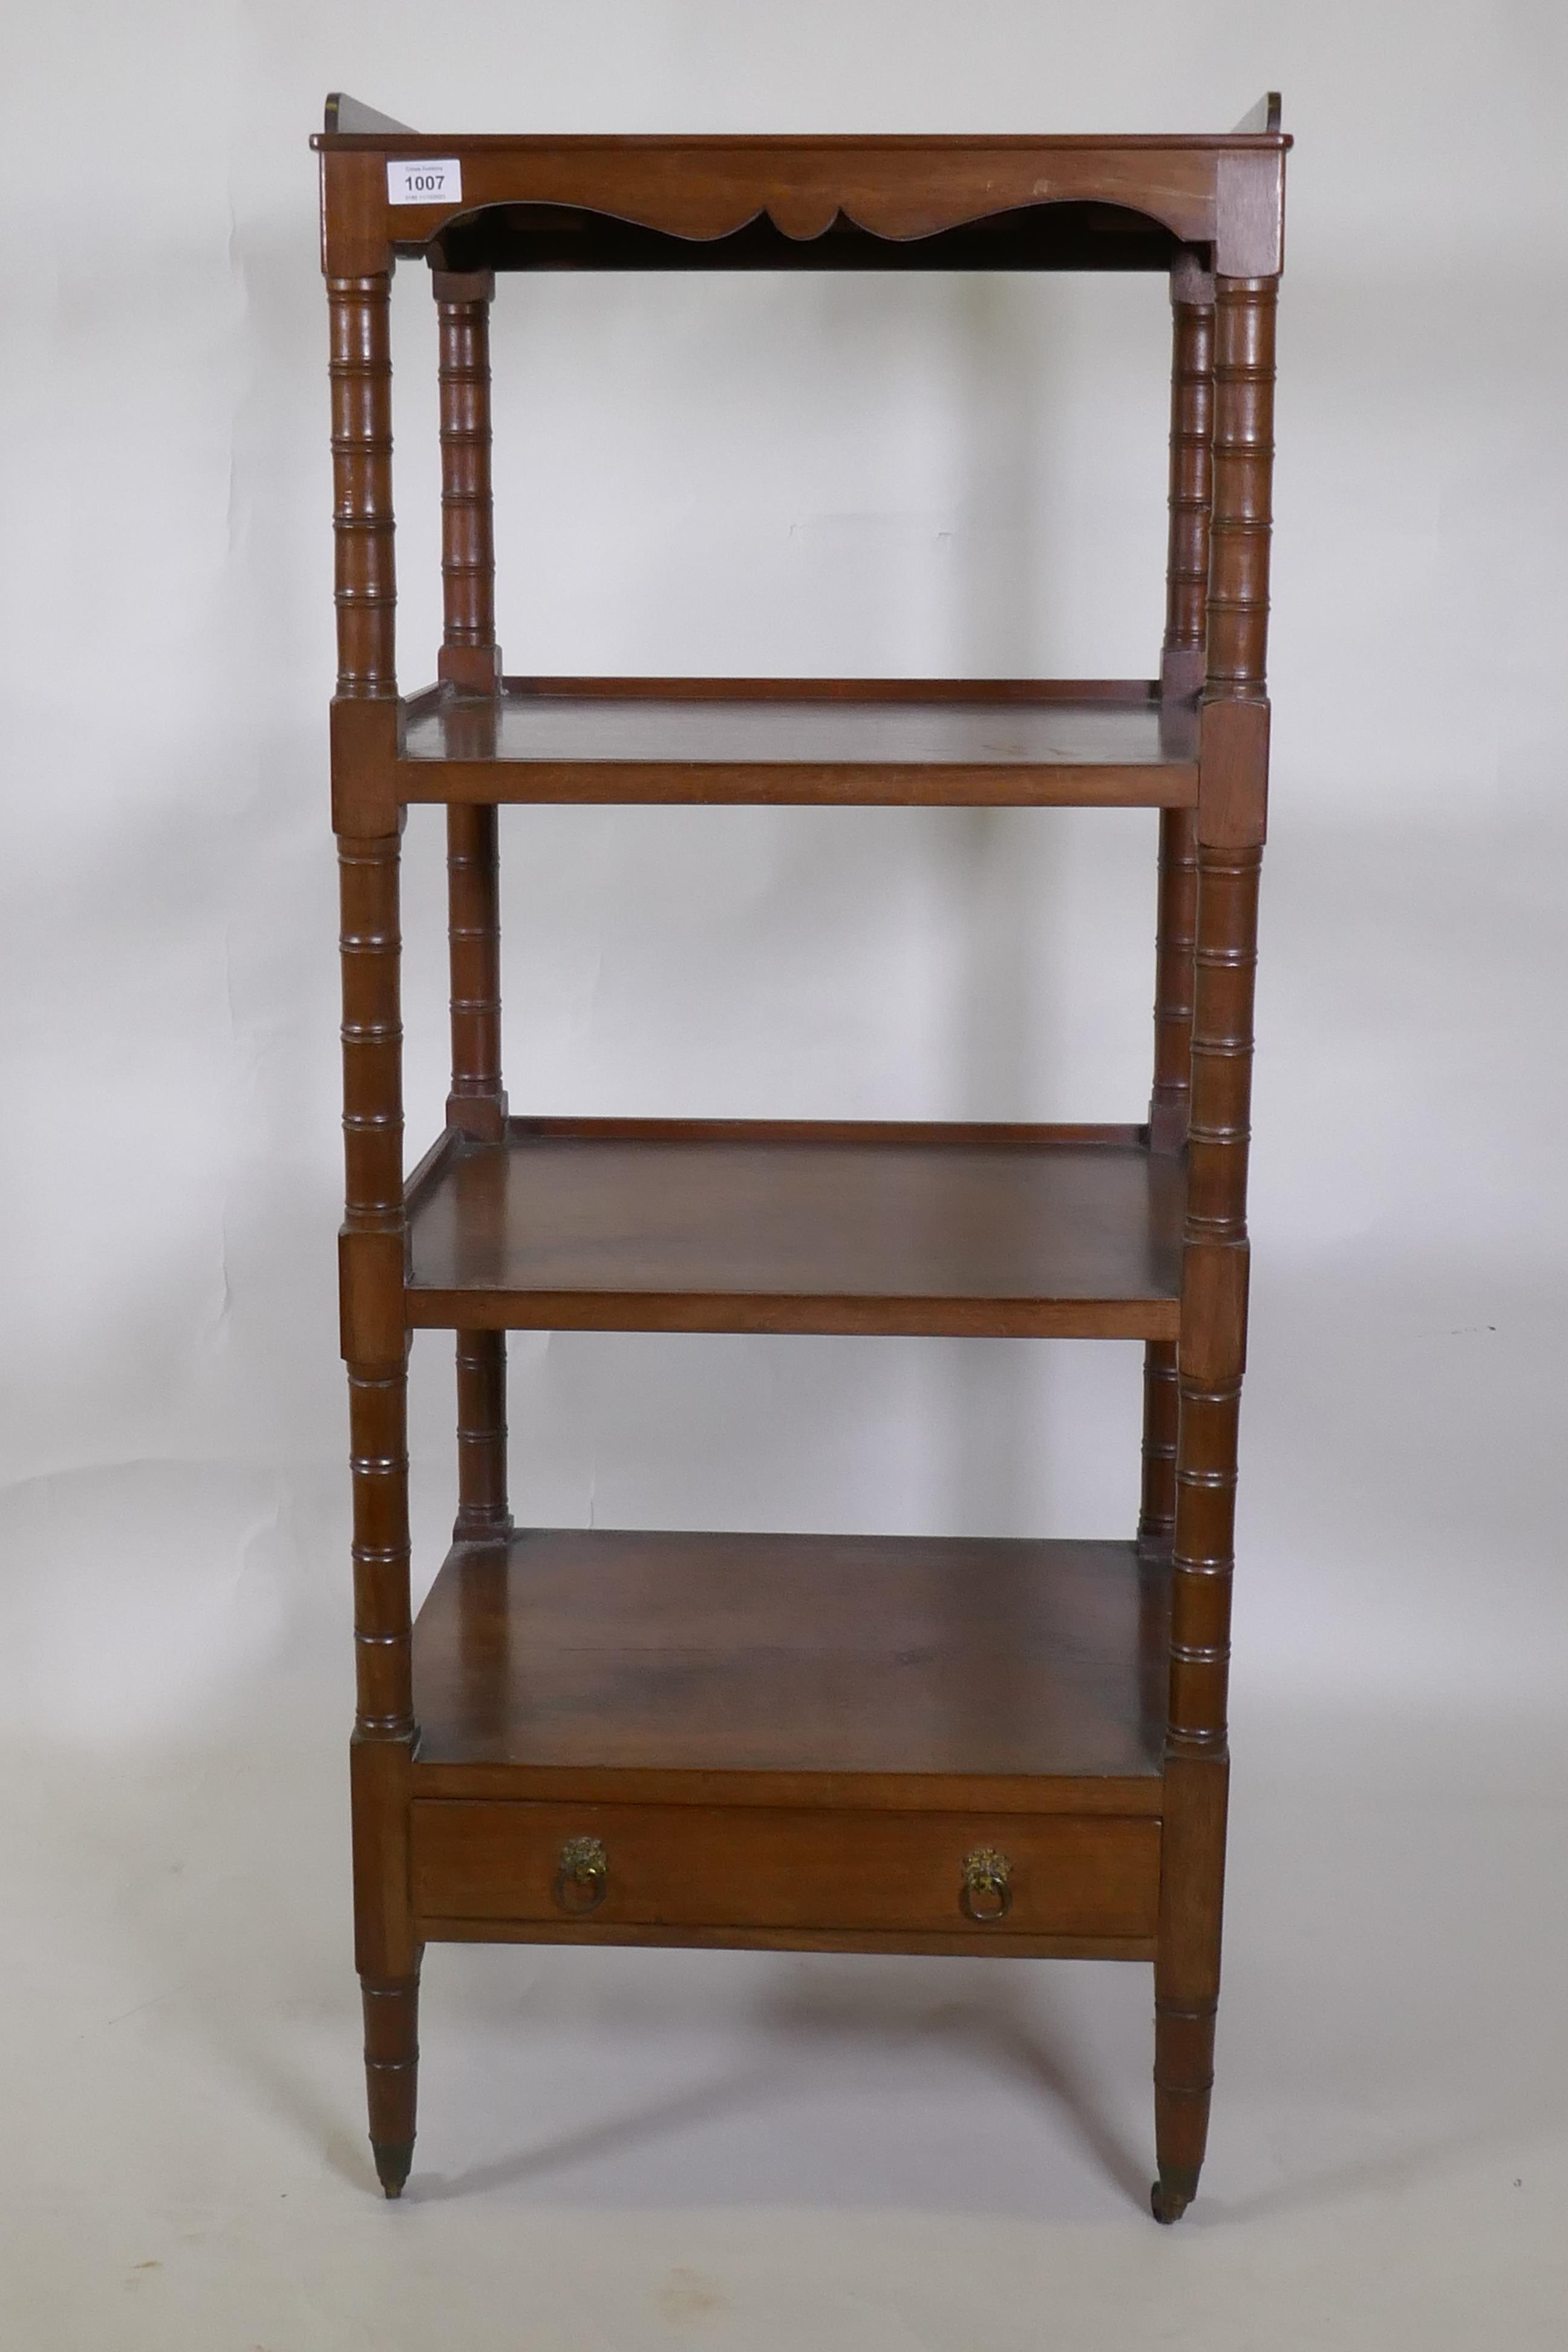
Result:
x=653 y=1225
x=603 y=1653
x=1224 y=188
x=1000 y=742
x=710 y=1865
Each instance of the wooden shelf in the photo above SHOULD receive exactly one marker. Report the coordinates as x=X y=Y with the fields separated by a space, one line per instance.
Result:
x=666 y=1226
x=772 y=1669
x=1087 y=742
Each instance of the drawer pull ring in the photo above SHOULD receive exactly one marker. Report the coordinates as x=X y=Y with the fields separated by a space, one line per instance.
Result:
x=583 y=1875
x=986 y=1891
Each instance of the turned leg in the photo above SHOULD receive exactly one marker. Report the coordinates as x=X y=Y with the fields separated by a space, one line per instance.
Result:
x=375 y=1343
x=1186 y=1977
x=386 y=1949
x=1210 y=1349
x=375 y=1326
x=392 y=2074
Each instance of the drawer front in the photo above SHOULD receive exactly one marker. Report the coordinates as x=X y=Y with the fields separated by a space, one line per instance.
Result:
x=695 y=1866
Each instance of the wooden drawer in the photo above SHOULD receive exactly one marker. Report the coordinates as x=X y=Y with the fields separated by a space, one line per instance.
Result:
x=689 y=1867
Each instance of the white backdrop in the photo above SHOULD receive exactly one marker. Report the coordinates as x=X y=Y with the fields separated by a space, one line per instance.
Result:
x=748 y=474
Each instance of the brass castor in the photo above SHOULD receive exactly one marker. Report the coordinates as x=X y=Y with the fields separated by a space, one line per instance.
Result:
x=1173 y=2192
x=392 y=2164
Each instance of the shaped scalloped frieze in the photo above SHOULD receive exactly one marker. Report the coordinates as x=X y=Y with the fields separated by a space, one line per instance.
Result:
x=705 y=194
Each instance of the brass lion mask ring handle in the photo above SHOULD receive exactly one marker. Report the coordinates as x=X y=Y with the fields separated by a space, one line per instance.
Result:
x=581 y=1876
x=986 y=1890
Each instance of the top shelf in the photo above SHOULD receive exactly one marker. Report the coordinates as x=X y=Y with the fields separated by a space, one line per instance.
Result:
x=471 y=201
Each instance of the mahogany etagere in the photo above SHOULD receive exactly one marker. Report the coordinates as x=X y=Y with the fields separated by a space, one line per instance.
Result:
x=810 y=1743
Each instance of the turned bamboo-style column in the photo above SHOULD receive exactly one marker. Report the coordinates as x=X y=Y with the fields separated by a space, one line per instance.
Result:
x=375 y=1337
x=1157 y=1510
x=1210 y=1351
x=470 y=660
x=1181 y=677
x=463 y=301
x=365 y=583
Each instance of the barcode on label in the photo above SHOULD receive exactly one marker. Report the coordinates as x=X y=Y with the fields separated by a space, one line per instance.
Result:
x=425 y=183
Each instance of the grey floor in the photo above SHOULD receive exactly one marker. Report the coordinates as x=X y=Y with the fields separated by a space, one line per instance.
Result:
x=647 y=2148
